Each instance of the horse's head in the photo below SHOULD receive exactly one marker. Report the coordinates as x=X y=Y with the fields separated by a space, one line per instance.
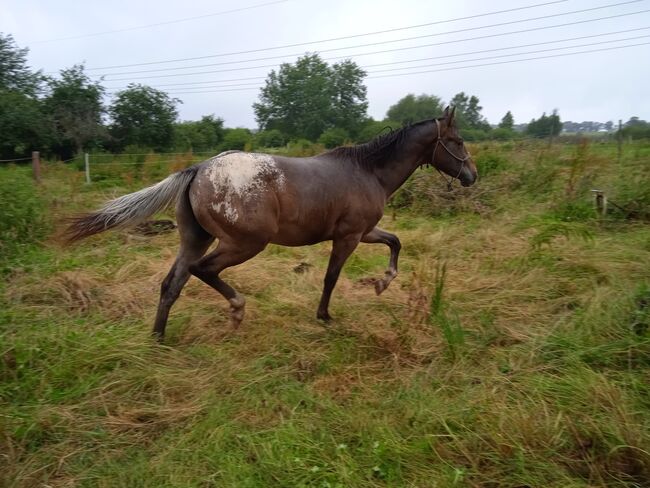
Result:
x=449 y=152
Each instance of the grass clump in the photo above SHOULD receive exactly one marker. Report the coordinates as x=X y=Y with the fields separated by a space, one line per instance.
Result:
x=23 y=221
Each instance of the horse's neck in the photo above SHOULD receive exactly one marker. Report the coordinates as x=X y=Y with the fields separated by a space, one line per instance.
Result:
x=394 y=175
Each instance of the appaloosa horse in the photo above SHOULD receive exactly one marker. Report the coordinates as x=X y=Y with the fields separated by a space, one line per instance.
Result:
x=248 y=200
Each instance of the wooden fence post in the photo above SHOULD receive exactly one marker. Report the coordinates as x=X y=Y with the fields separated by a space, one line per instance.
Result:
x=87 y=167
x=36 y=166
x=600 y=202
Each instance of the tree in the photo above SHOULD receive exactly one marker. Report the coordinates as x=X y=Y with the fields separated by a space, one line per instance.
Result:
x=413 y=109
x=636 y=128
x=15 y=75
x=468 y=112
x=507 y=122
x=76 y=108
x=202 y=135
x=143 y=116
x=24 y=127
x=635 y=121
x=545 y=126
x=304 y=99
x=19 y=134
x=350 y=105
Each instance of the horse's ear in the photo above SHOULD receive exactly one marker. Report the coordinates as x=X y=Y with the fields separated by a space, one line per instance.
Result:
x=450 y=115
x=445 y=114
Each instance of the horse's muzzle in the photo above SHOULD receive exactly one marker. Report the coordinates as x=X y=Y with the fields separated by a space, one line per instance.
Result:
x=469 y=175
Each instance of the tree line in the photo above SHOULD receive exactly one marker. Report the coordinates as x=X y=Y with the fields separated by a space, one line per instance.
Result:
x=305 y=102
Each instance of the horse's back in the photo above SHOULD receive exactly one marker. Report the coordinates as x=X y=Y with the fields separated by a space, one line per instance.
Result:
x=289 y=201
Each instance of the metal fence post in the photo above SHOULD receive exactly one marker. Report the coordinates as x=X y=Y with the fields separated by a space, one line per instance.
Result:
x=86 y=159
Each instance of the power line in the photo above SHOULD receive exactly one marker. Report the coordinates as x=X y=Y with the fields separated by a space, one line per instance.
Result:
x=452 y=68
x=397 y=62
x=513 y=61
x=507 y=55
x=450 y=62
x=500 y=34
x=472 y=52
x=308 y=43
x=176 y=21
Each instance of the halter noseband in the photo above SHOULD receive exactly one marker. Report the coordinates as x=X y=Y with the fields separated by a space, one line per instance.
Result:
x=439 y=141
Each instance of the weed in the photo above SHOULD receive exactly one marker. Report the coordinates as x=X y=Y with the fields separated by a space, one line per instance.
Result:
x=440 y=315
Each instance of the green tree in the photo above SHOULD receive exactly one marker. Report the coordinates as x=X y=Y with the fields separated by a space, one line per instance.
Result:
x=507 y=122
x=15 y=75
x=636 y=128
x=24 y=126
x=413 y=109
x=304 y=99
x=468 y=112
x=545 y=126
x=75 y=106
x=143 y=116
x=203 y=135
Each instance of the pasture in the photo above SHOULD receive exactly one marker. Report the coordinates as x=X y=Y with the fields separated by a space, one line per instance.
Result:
x=513 y=349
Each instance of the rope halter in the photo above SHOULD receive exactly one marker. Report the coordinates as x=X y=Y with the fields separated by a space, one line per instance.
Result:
x=440 y=142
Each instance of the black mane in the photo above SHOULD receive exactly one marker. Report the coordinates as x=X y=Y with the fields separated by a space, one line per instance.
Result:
x=378 y=151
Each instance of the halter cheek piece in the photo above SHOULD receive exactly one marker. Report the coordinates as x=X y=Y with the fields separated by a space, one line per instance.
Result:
x=439 y=141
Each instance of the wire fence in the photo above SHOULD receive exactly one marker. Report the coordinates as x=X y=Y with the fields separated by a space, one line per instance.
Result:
x=15 y=160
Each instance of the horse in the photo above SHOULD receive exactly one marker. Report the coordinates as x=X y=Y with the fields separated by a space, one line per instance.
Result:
x=249 y=200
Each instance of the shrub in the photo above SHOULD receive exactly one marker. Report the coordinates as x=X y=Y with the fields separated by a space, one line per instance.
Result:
x=489 y=162
x=303 y=148
x=333 y=137
x=374 y=128
x=501 y=134
x=236 y=139
x=270 y=138
x=474 y=134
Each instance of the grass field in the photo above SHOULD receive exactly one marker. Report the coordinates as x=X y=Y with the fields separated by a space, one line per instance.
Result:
x=512 y=350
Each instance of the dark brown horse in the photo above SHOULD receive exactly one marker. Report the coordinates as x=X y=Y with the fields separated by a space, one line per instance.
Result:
x=248 y=200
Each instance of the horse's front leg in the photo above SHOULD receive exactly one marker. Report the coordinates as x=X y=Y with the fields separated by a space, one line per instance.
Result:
x=341 y=250
x=391 y=240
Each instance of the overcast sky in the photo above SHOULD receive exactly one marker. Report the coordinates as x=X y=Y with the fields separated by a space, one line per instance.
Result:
x=604 y=85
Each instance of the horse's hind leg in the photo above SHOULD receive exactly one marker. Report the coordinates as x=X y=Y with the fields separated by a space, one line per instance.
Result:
x=228 y=253
x=194 y=243
x=377 y=235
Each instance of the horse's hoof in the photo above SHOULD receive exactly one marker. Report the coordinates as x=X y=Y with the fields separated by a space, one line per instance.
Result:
x=237 y=316
x=324 y=316
x=380 y=286
x=237 y=310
